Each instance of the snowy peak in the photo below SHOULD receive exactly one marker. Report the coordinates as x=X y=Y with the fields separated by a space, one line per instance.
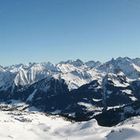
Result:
x=2 y=69
x=136 y=61
x=119 y=80
x=125 y=65
x=93 y=64
x=76 y=63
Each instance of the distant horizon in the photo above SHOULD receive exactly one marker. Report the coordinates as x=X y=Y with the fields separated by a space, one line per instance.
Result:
x=52 y=30
x=84 y=61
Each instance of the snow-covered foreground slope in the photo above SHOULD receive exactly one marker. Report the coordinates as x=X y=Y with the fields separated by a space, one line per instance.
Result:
x=36 y=126
x=15 y=125
x=128 y=130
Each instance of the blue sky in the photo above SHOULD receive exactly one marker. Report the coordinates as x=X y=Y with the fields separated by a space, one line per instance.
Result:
x=55 y=30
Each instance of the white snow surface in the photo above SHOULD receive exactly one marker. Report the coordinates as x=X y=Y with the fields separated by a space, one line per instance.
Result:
x=15 y=125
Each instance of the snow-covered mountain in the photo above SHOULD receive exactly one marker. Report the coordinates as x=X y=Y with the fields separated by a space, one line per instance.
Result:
x=75 y=73
x=75 y=89
x=130 y=67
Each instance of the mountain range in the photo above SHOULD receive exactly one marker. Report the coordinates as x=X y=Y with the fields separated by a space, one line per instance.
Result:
x=108 y=92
